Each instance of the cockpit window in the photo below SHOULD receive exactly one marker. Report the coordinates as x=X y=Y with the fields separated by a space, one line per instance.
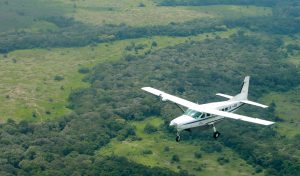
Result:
x=193 y=113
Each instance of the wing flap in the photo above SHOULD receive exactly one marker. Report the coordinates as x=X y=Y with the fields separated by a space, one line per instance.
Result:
x=168 y=97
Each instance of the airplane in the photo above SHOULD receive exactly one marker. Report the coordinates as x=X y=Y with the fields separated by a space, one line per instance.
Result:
x=197 y=115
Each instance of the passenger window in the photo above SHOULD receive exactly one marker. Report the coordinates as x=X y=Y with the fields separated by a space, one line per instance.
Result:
x=207 y=115
x=197 y=115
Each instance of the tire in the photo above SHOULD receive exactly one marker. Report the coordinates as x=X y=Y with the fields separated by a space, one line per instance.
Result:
x=216 y=134
x=177 y=138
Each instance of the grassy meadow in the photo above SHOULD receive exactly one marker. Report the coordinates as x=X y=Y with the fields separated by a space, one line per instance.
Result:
x=232 y=11
x=287 y=108
x=130 y=12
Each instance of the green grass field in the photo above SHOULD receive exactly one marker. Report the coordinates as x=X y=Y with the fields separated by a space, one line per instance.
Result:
x=185 y=150
x=130 y=12
x=232 y=11
x=287 y=108
x=294 y=57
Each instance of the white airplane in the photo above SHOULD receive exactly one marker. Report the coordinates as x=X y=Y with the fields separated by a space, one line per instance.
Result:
x=208 y=114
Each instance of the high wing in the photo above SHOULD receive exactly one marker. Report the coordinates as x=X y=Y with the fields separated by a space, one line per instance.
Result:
x=197 y=107
x=234 y=116
x=165 y=97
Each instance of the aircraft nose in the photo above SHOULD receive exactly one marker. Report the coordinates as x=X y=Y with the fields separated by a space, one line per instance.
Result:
x=172 y=123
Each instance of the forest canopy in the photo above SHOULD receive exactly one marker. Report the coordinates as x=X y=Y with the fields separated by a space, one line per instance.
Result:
x=266 y=3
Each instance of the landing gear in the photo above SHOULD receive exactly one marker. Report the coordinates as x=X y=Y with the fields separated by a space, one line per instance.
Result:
x=177 y=137
x=216 y=133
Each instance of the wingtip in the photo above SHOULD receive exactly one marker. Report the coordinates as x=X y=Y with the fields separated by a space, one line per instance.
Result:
x=145 y=88
x=270 y=123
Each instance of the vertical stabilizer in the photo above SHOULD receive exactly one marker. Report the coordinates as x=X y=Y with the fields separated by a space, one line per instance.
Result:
x=243 y=95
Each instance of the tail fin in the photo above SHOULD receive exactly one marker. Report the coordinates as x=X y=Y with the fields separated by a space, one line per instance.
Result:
x=243 y=95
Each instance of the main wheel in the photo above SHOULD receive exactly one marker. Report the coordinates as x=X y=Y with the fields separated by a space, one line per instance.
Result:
x=216 y=134
x=177 y=138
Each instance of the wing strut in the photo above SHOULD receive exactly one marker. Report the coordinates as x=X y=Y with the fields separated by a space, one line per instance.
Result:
x=180 y=107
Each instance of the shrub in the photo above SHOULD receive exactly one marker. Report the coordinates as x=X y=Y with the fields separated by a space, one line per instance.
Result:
x=136 y=138
x=154 y=44
x=258 y=169
x=142 y=5
x=167 y=148
x=198 y=154
x=222 y=160
x=212 y=148
x=58 y=78
x=175 y=158
x=147 y=152
x=84 y=70
x=150 y=129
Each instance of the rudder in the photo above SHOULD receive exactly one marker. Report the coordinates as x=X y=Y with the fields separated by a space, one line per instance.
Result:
x=243 y=95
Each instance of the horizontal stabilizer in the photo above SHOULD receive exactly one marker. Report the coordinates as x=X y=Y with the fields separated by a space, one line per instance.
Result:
x=253 y=103
x=224 y=95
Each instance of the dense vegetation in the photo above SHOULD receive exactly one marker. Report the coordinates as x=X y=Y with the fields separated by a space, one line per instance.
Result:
x=66 y=147
x=285 y=20
x=216 y=2
x=192 y=66
x=69 y=33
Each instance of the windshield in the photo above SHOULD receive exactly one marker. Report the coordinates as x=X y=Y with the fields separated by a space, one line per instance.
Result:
x=193 y=113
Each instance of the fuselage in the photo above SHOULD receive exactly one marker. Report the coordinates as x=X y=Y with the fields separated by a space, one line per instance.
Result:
x=192 y=118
